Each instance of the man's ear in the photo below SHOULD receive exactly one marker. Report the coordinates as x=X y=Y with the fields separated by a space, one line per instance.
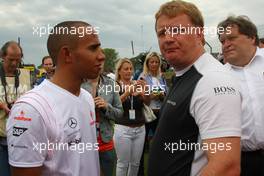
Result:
x=66 y=54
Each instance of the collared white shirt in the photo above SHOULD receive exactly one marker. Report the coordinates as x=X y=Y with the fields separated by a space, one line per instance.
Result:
x=215 y=107
x=251 y=78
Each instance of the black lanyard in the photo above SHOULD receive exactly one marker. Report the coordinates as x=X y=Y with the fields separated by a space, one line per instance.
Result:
x=131 y=102
x=4 y=83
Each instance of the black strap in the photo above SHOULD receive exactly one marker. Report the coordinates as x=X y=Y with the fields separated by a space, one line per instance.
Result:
x=4 y=83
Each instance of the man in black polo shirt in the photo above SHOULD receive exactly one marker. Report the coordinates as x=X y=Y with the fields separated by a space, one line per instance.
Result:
x=199 y=129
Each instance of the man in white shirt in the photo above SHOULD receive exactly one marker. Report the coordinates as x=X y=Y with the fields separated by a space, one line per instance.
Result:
x=246 y=61
x=197 y=110
x=51 y=129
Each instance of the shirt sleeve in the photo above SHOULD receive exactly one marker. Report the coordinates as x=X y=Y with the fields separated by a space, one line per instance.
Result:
x=216 y=106
x=114 y=109
x=26 y=136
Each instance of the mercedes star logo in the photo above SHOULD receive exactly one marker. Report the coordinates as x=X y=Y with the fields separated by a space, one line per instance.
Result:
x=72 y=122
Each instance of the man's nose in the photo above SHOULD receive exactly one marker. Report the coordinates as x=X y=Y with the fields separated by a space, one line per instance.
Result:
x=101 y=55
x=169 y=37
x=226 y=44
x=14 y=63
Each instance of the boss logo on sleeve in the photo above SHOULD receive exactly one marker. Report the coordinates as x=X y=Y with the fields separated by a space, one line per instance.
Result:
x=224 y=90
x=18 y=131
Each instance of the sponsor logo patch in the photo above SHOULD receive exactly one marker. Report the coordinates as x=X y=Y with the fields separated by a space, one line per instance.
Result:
x=22 y=117
x=75 y=141
x=171 y=102
x=224 y=90
x=72 y=122
x=18 y=131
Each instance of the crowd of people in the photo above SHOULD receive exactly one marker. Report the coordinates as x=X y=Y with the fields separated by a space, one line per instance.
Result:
x=77 y=121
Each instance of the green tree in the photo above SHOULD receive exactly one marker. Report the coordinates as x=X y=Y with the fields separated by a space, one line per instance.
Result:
x=111 y=57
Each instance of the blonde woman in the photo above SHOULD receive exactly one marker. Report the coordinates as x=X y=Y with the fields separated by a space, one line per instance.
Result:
x=129 y=133
x=157 y=89
x=156 y=83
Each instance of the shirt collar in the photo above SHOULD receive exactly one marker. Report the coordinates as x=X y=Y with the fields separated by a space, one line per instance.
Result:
x=198 y=61
x=181 y=72
x=257 y=55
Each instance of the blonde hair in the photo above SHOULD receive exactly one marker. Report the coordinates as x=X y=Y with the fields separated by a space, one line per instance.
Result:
x=119 y=64
x=146 y=63
x=177 y=7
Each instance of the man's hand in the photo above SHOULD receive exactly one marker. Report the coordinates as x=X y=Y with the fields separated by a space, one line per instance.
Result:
x=223 y=157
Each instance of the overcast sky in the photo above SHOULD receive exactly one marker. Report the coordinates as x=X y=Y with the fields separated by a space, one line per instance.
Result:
x=119 y=21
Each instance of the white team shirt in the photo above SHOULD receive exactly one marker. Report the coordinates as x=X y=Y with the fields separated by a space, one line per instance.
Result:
x=63 y=142
x=251 y=79
x=215 y=105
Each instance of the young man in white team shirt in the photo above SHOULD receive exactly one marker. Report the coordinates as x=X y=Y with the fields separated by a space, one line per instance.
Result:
x=51 y=130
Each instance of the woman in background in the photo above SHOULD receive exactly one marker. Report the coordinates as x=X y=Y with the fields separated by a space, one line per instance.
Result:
x=129 y=133
x=108 y=108
x=157 y=85
x=157 y=89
